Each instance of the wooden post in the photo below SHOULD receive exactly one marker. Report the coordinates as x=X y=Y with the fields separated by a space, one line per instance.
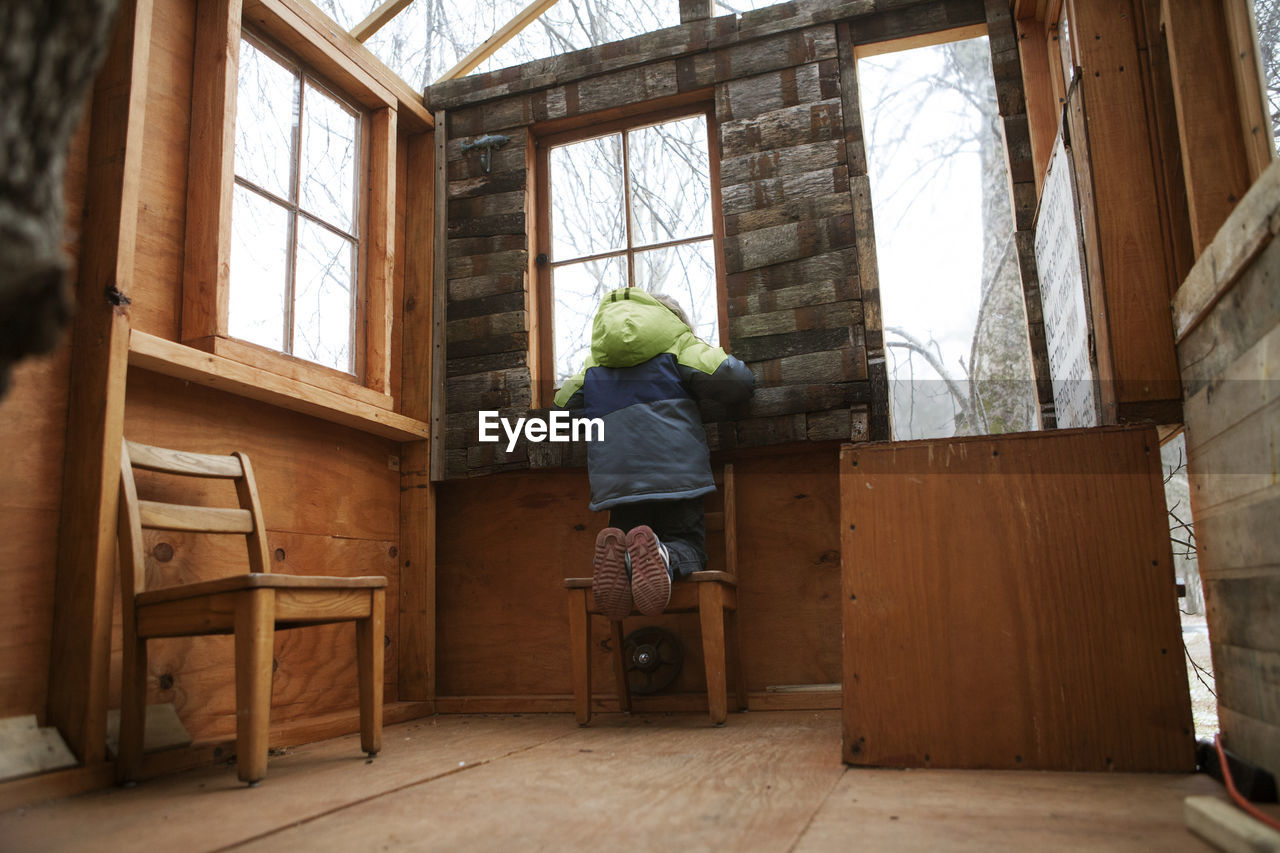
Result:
x=211 y=170
x=81 y=641
x=711 y=615
x=417 y=636
x=1214 y=161
x=440 y=295
x=1131 y=282
x=379 y=285
x=370 y=662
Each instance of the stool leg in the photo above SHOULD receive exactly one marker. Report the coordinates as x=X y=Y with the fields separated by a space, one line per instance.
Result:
x=711 y=615
x=620 y=667
x=580 y=654
x=370 y=662
x=255 y=633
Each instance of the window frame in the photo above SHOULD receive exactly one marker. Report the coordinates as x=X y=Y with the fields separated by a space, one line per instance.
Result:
x=295 y=210
x=542 y=333
x=286 y=30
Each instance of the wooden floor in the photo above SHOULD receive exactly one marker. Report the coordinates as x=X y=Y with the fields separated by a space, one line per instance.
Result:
x=766 y=781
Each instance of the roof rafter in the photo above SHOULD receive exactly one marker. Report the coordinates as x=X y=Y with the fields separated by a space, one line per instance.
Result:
x=489 y=46
x=378 y=18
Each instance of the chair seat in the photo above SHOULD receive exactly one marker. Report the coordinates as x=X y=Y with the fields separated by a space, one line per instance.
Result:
x=684 y=592
x=257 y=580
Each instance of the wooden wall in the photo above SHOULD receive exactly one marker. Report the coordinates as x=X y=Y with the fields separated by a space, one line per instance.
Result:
x=1009 y=602
x=802 y=296
x=510 y=539
x=33 y=426
x=1227 y=314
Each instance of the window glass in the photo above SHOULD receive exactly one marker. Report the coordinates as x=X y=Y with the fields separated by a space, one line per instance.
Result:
x=631 y=208
x=329 y=160
x=670 y=181
x=293 y=219
x=1266 y=17
x=586 y=214
x=260 y=240
x=266 y=118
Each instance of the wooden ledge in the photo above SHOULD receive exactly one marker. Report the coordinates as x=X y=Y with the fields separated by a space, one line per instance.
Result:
x=696 y=577
x=158 y=355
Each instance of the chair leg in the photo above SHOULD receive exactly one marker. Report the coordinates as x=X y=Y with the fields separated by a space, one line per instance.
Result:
x=255 y=635
x=369 y=660
x=620 y=667
x=735 y=647
x=711 y=615
x=580 y=654
x=133 y=708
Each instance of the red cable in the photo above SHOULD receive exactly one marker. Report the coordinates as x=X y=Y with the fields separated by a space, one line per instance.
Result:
x=1235 y=795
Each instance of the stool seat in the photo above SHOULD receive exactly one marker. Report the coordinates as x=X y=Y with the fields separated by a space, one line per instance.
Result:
x=713 y=595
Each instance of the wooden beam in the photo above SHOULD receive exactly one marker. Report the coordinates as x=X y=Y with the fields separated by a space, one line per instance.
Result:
x=203 y=368
x=311 y=35
x=377 y=19
x=490 y=45
x=972 y=31
x=417 y=637
x=379 y=293
x=1214 y=162
x=1254 y=115
x=1042 y=109
x=440 y=296
x=211 y=170
x=81 y=642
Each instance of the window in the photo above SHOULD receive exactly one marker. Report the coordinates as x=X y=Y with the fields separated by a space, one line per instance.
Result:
x=294 y=220
x=630 y=207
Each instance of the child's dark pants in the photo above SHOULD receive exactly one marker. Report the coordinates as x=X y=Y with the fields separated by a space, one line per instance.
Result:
x=678 y=524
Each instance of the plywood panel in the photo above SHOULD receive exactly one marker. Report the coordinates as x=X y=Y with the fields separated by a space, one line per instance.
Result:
x=508 y=541
x=314 y=477
x=1009 y=603
x=315 y=667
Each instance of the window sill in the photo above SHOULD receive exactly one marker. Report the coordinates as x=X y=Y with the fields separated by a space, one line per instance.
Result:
x=158 y=355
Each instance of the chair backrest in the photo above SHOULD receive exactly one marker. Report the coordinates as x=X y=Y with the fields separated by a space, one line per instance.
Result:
x=136 y=515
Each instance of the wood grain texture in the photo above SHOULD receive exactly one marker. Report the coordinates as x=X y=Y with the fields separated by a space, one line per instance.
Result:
x=1009 y=603
x=1214 y=164
x=1136 y=282
x=83 y=592
x=1229 y=352
x=379 y=304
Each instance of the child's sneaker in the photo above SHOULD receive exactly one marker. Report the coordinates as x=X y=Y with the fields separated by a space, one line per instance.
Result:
x=610 y=585
x=650 y=571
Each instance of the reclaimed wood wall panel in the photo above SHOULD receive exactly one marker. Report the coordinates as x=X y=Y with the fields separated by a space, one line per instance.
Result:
x=798 y=251
x=1009 y=602
x=503 y=627
x=1227 y=314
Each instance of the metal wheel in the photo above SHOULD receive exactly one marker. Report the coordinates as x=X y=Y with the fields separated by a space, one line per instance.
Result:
x=652 y=656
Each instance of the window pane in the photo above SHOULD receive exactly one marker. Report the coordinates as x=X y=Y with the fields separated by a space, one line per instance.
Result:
x=670 y=181
x=266 y=118
x=329 y=132
x=586 y=198
x=259 y=268
x=578 y=289
x=686 y=273
x=322 y=302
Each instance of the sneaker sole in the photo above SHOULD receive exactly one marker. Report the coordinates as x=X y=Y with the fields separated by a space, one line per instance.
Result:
x=650 y=583
x=610 y=586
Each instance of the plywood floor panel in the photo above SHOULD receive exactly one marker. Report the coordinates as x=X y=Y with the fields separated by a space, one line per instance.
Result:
x=983 y=810
x=767 y=781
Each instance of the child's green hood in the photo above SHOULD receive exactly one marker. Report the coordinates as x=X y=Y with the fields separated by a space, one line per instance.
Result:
x=632 y=327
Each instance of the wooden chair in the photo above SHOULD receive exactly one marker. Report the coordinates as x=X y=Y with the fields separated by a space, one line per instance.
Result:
x=251 y=606
x=713 y=595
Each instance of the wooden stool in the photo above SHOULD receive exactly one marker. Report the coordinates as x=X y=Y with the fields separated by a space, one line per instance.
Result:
x=713 y=595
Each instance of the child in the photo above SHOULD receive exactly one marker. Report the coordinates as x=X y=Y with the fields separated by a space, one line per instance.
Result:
x=643 y=378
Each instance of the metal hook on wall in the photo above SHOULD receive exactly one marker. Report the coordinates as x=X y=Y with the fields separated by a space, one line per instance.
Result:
x=486 y=144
